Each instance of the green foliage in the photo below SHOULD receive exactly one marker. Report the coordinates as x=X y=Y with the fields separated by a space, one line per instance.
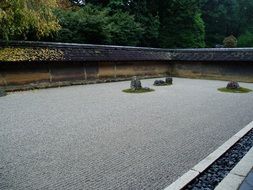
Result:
x=93 y=24
x=138 y=91
x=123 y=29
x=230 y=42
x=18 y=18
x=116 y=5
x=164 y=84
x=156 y=23
x=246 y=39
x=181 y=24
x=86 y=25
x=149 y=22
x=153 y=23
x=226 y=17
x=244 y=17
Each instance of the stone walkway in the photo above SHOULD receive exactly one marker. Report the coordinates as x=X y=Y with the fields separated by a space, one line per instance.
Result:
x=97 y=137
x=248 y=182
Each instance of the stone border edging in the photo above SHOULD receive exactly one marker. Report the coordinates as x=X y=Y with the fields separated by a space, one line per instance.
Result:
x=236 y=176
x=185 y=179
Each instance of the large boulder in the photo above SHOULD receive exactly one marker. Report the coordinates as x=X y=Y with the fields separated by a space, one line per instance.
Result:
x=233 y=85
x=135 y=83
x=159 y=82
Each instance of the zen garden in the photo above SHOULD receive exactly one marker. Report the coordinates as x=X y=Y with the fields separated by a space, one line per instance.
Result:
x=126 y=94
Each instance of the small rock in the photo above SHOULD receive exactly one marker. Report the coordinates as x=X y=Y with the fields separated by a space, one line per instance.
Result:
x=233 y=85
x=230 y=163
x=159 y=82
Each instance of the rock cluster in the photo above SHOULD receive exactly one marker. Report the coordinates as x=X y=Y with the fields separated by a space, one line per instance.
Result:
x=135 y=83
x=168 y=81
x=233 y=85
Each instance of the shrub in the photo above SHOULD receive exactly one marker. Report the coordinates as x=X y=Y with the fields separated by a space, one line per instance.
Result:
x=246 y=39
x=230 y=42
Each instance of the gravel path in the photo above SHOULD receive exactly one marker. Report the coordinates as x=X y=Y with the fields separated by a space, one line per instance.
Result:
x=97 y=137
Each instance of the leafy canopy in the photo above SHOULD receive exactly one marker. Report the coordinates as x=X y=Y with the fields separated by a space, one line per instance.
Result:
x=21 y=19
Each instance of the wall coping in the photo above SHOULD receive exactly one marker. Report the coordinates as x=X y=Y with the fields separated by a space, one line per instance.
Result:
x=86 y=46
x=90 y=52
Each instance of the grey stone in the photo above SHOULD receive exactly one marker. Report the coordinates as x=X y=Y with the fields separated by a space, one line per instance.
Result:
x=168 y=80
x=159 y=82
x=233 y=85
x=135 y=83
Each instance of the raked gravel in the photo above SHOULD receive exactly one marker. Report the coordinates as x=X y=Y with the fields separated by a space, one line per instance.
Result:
x=97 y=137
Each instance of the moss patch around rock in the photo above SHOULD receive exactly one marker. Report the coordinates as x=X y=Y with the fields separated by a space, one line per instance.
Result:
x=141 y=90
x=238 y=90
x=165 y=84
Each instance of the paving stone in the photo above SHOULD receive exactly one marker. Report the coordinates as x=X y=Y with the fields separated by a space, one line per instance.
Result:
x=249 y=178
x=246 y=186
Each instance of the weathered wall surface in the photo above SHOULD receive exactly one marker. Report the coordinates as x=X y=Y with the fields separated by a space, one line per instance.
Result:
x=38 y=74
x=80 y=64
x=231 y=70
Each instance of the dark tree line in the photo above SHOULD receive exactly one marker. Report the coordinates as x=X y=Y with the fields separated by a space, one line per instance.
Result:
x=155 y=23
x=152 y=23
x=228 y=17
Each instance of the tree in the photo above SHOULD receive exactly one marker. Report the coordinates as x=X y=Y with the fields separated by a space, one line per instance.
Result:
x=124 y=30
x=97 y=25
x=86 y=25
x=221 y=19
x=25 y=19
x=245 y=16
x=246 y=39
x=149 y=22
x=181 y=24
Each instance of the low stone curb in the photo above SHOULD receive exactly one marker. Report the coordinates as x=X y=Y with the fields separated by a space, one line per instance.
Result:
x=189 y=176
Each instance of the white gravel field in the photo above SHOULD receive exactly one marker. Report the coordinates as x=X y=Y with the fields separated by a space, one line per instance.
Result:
x=97 y=137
